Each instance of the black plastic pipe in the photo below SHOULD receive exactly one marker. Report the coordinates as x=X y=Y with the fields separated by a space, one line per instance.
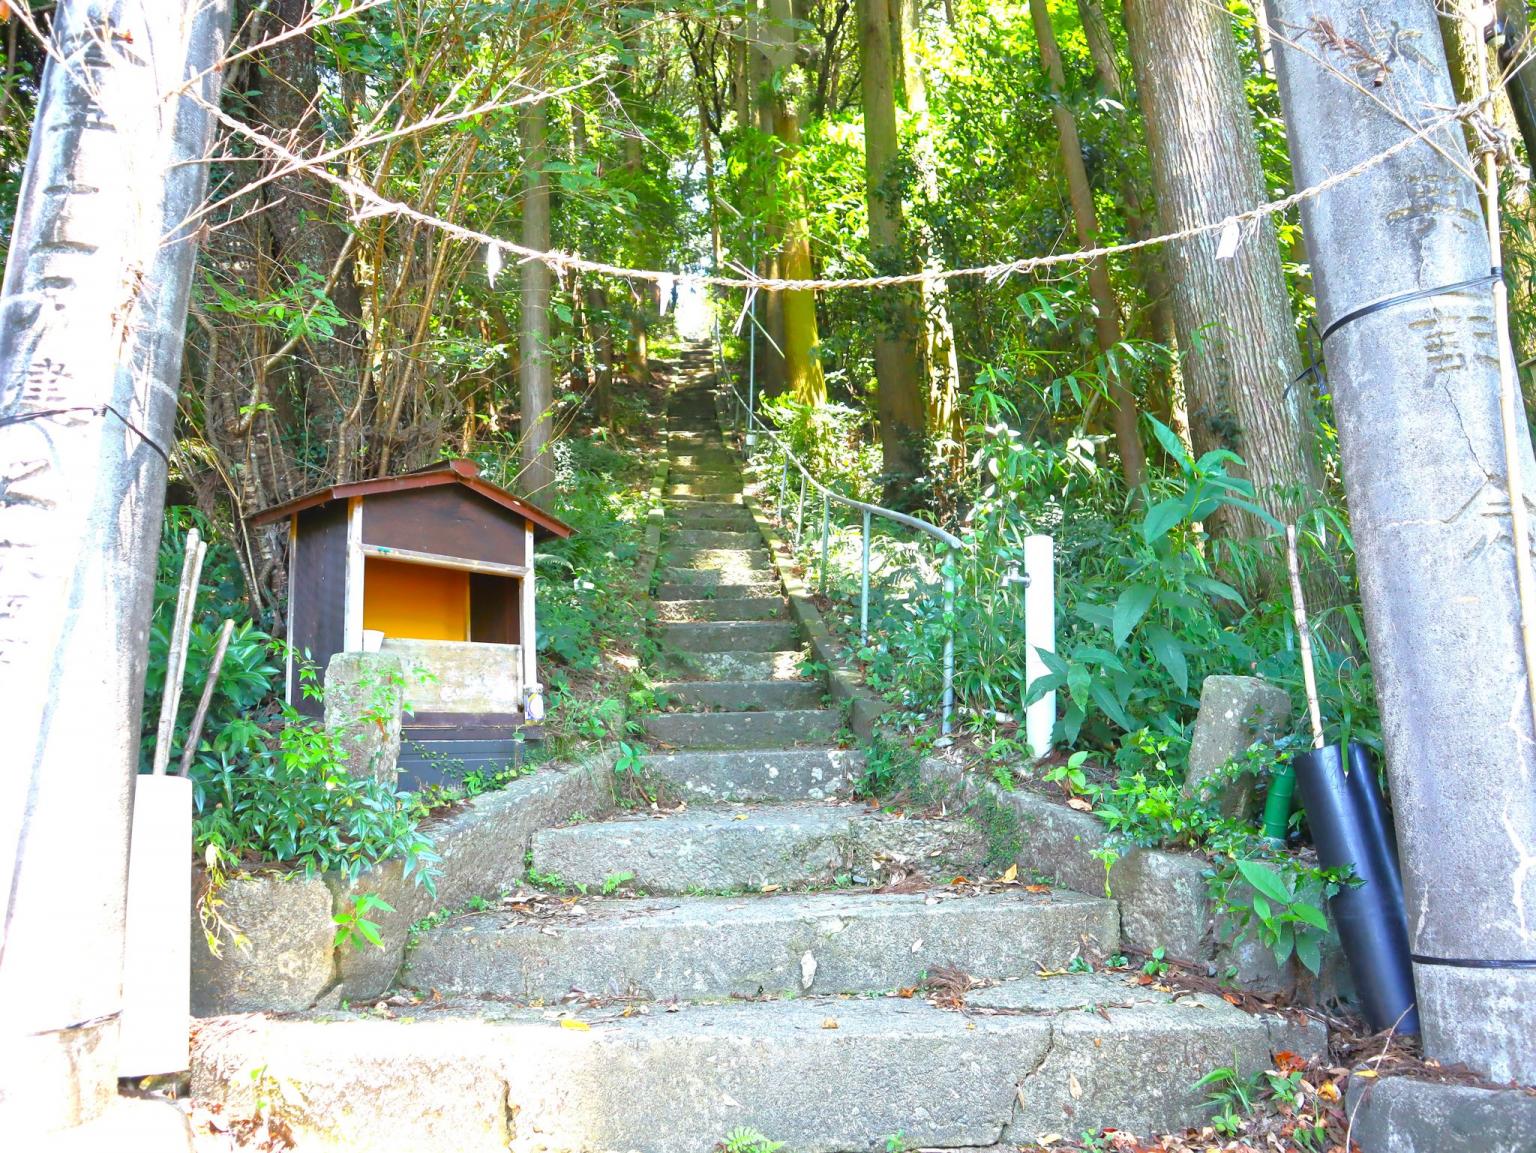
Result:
x=1347 y=816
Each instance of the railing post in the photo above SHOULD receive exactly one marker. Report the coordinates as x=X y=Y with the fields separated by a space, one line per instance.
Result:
x=826 y=538
x=864 y=587
x=783 y=487
x=800 y=512
x=1039 y=634
x=947 y=722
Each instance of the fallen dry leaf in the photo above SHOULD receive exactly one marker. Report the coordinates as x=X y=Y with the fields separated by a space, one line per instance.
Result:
x=1037 y=888
x=1079 y=804
x=1010 y=874
x=573 y=1023
x=1074 y=1087
x=829 y=1023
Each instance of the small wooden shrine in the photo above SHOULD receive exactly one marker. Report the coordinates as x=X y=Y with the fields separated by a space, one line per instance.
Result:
x=436 y=565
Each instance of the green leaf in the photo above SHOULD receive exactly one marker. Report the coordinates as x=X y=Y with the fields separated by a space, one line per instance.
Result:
x=1111 y=707
x=1309 y=952
x=1131 y=606
x=1078 y=681
x=1311 y=914
x=1265 y=879
x=1170 y=441
x=1169 y=651
x=1217 y=588
x=1160 y=518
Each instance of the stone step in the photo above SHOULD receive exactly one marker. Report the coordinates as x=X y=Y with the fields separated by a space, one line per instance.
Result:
x=713 y=538
x=742 y=696
x=673 y=590
x=707 y=503
x=729 y=561
x=704 y=486
x=728 y=636
x=701 y=579
x=713 y=948
x=732 y=850
x=741 y=609
x=744 y=730
x=686 y=456
x=784 y=665
x=682 y=469
x=738 y=776
x=822 y=1075
x=709 y=436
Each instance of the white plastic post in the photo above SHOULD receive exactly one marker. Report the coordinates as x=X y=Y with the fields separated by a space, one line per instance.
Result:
x=157 y=957
x=1039 y=633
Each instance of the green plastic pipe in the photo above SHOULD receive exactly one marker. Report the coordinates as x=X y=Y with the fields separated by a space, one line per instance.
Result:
x=1277 y=808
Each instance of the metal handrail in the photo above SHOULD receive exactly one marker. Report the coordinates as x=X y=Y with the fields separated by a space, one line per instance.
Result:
x=869 y=511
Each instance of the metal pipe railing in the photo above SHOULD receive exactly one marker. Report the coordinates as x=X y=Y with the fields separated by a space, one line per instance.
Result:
x=828 y=495
x=1038 y=578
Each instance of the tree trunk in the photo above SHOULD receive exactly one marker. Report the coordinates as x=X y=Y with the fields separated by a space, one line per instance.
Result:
x=1517 y=45
x=1233 y=315
x=803 y=377
x=306 y=236
x=1415 y=392
x=538 y=471
x=1164 y=396
x=945 y=421
x=1106 y=321
x=899 y=396
x=91 y=337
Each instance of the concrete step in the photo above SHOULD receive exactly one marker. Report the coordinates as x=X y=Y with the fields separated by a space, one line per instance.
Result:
x=702 y=486
x=687 y=590
x=703 y=436
x=738 y=776
x=687 y=456
x=744 y=730
x=726 y=946
x=708 y=503
x=730 y=850
x=822 y=1075
x=711 y=538
x=701 y=579
x=783 y=665
x=742 y=696
x=730 y=561
x=740 y=609
x=728 y=636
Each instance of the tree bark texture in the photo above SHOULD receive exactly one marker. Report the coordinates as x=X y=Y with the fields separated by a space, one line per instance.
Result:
x=1233 y=316
x=1164 y=395
x=1416 y=388
x=1106 y=320
x=803 y=376
x=899 y=396
x=536 y=368
x=94 y=306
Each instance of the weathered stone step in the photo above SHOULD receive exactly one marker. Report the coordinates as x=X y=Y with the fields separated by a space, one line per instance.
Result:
x=718 y=579
x=672 y=590
x=687 y=468
x=729 y=850
x=744 y=730
x=696 y=436
x=822 y=1075
x=688 y=456
x=730 y=561
x=740 y=776
x=742 y=696
x=708 y=948
x=709 y=504
x=710 y=487
x=784 y=665
x=728 y=636
x=710 y=538
x=739 y=609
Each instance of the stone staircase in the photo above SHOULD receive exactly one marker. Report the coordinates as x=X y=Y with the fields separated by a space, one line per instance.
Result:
x=760 y=951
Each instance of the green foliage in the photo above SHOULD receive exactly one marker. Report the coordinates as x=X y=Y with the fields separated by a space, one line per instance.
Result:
x=295 y=804
x=745 y=1140
x=354 y=929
